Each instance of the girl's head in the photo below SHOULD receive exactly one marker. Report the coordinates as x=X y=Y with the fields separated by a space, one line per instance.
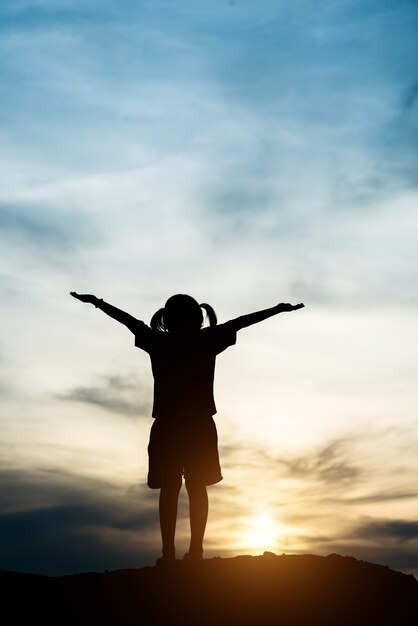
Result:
x=182 y=313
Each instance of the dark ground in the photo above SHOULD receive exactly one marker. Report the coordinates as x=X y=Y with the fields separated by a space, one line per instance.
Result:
x=287 y=590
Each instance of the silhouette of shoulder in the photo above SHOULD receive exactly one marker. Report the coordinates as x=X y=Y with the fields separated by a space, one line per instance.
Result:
x=213 y=339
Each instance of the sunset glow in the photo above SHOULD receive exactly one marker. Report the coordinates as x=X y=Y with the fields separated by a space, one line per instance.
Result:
x=262 y=533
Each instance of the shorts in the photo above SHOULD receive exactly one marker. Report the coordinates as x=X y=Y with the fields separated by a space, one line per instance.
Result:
x=183 y=447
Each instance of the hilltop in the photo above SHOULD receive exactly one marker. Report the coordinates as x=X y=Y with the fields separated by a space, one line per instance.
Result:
x=290 y=590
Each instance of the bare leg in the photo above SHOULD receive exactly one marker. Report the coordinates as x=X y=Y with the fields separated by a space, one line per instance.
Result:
x=168 y=516
x=198 y=510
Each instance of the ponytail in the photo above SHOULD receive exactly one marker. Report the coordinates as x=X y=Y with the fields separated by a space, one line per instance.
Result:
x=171 y=316
x=210 y=314
x=157 y=321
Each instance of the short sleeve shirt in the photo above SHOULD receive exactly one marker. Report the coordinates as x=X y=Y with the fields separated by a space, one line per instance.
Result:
x=183 y=367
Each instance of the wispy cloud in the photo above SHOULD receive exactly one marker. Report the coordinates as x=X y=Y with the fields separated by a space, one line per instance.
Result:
x=43 y=229
x=389 y=495
x=411 y=97
x=330 y=464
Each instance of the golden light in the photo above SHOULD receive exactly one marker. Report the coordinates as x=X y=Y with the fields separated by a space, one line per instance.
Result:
x=262 y=532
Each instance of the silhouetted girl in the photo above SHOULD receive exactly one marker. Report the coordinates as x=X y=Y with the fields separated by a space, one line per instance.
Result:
x=183 y=439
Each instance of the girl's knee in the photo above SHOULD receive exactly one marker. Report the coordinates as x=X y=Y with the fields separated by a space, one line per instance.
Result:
x=172 y=485
x=194 y=486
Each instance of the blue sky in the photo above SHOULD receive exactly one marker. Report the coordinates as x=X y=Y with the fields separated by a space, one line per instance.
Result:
x=246 y=153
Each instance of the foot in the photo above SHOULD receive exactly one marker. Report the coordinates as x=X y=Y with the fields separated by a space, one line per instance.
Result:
x=193 y=557
x=165 y=561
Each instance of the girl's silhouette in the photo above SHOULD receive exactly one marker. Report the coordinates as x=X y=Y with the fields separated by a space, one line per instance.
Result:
x=183 y=439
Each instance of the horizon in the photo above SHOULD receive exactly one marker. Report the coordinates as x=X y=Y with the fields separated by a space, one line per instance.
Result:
x=245 y=155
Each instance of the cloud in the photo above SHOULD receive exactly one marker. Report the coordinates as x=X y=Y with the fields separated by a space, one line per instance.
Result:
x=61 y=523
x=58 y=520
x=299 y=490
x=387 y=542
x=117 y=394
x=389 y=495
x=322 y=472
x=330 y=465
x=43 y=229
x=384 y=541
x=411 y=97
x=41 y=6
x=388 y=530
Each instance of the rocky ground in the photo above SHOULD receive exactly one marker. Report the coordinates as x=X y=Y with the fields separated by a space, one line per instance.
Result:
x=290 y=590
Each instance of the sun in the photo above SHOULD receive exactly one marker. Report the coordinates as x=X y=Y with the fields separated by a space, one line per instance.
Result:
x=262 y=532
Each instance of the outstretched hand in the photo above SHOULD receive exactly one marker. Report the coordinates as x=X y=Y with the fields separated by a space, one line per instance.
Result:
x=285 y=306
x=84 y=297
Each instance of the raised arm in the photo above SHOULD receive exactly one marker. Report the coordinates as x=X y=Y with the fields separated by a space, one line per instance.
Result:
x=117 y=314
x=259 y=316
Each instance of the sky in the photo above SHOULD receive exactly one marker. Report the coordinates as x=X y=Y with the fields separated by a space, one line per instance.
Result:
x=246 y=154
